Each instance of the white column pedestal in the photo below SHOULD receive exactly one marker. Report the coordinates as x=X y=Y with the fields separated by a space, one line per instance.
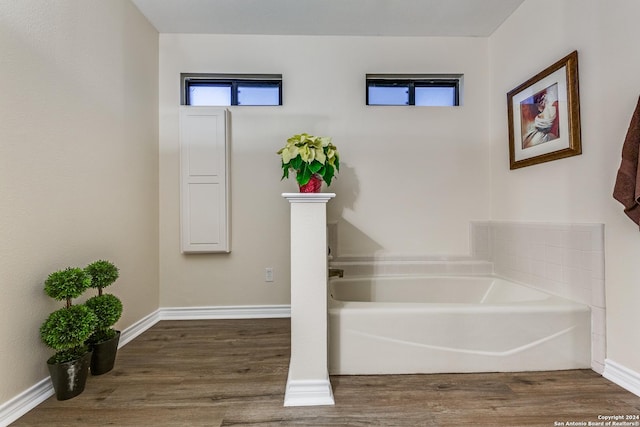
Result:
x=308 y=382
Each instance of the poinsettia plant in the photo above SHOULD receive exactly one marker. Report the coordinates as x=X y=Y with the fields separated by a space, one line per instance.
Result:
x=309 y=155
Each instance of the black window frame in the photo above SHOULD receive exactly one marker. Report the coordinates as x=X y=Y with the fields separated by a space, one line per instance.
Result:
x=233 y=82
x=411 y=83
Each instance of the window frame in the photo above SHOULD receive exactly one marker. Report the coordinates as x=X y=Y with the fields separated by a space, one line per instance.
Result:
x=411 y=82
x=233 y=81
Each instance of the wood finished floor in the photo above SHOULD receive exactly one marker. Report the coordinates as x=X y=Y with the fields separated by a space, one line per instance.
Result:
x=233 y=373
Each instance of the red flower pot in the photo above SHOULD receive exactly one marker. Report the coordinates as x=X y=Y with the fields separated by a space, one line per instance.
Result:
x=313 y=186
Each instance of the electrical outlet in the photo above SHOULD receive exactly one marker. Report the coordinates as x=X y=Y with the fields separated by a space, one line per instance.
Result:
x=268 y=274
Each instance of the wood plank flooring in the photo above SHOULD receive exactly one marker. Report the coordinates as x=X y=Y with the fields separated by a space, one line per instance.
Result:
x=233 y=373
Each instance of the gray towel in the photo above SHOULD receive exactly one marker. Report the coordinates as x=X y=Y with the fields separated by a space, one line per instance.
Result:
x=627 y=186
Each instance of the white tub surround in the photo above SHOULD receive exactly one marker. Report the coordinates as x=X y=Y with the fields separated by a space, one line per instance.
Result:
x=562 y=259
x=308 y=381
x=406 y=325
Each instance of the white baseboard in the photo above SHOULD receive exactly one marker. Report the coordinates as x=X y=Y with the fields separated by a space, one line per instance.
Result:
x=225 y=312
x=25 y=401
x=308 y=392
x=623 y=376
x=139 y=327
x=38 y=393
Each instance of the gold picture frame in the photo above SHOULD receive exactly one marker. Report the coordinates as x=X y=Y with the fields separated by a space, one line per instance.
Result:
x=544 y=115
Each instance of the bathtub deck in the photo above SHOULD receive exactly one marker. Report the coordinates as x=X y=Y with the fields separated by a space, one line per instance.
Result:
x=233 y=372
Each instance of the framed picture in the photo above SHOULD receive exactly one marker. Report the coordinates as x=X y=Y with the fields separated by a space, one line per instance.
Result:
x=544 y=115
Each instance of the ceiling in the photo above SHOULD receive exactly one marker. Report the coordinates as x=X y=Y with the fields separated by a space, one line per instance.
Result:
x=474 y=18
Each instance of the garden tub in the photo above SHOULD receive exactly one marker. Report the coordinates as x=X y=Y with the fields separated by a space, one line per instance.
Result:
x=427 y=324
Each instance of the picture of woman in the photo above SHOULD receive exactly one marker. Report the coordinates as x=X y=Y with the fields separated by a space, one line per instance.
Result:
x=539 y=115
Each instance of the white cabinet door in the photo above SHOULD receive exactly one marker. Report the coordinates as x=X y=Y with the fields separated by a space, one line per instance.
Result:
x=204 y=180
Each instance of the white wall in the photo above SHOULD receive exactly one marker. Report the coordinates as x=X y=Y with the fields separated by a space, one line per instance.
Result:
x=577 y=189
x=78 y=163
x=411 y=180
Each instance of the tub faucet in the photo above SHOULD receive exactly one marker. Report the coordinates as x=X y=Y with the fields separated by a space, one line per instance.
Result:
x=333 y=272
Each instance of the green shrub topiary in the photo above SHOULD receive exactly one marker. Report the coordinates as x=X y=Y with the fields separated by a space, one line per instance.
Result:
x=67 y=284
x=67 y=329
x=108 y=309
x=103 y=273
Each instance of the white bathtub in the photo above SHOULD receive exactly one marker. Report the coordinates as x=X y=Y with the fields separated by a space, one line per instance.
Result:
x=403 y=325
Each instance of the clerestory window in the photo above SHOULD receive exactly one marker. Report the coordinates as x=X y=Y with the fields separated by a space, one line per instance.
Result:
x=231 y=89
x=420 y=90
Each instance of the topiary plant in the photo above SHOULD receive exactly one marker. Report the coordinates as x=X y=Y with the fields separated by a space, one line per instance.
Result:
x=103 y=273
x=67 y=329
x=66 y=284
x=107 y=307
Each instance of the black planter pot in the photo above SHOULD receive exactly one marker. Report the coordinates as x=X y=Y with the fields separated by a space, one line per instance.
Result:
x=69 y=378
x=104 y=355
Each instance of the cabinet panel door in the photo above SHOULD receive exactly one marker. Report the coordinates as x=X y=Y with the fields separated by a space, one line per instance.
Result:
x=204 y=180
